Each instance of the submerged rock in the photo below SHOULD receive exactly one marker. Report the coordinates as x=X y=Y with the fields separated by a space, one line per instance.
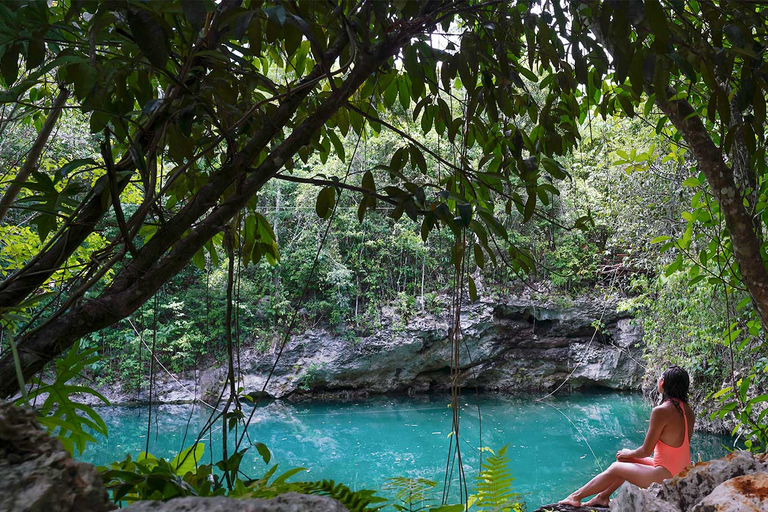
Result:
x=38 y=475
x=288 y=502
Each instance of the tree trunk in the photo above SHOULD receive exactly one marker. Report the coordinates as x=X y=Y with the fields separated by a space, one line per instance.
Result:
x=746 y=245
x=720 y=177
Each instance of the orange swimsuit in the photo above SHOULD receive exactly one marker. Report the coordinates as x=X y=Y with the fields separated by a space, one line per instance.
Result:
x=673 y=458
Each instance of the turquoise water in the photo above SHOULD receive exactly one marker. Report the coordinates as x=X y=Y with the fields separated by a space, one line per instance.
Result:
x=555 y=446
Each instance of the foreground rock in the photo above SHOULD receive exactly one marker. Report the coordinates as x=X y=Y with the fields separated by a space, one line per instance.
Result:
x=516 y=344
x=288 y=502
x=568 y=508
x=724 y=485
x=633 y=499
x=38 y=475
x=741 y=494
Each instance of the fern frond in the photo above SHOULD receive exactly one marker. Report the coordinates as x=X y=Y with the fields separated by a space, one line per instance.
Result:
x=364 y=500
x=411 y=493
x=494 y=485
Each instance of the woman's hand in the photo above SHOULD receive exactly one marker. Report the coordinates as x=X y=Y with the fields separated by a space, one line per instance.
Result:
x=623 y=455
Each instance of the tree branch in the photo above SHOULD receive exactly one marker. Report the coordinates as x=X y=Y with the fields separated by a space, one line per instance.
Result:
x=336 y=184
x=34 y=154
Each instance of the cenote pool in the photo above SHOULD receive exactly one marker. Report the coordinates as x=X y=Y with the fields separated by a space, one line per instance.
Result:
x=364 y=443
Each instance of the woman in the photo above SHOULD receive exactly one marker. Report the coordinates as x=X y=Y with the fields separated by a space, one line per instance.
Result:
x=667 y=438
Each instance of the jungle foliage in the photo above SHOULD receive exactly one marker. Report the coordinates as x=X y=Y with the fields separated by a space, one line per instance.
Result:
x=210 y=124
x=150 y=478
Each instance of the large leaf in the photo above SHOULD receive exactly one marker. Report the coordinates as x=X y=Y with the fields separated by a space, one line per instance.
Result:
x=188 y=459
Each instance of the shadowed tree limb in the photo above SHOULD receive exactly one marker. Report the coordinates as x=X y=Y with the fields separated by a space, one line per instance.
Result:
x=170 y=250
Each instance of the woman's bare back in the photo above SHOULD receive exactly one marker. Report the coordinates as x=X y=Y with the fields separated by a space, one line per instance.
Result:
x=673 y=433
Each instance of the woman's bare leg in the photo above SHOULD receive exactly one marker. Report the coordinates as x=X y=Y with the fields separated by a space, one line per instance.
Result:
x=603 y=498
x=639 y=474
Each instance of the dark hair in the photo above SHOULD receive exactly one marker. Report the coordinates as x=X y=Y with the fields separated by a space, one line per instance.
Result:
x=676 y=382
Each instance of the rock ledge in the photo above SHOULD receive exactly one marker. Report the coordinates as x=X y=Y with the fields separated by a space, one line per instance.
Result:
x=735 y=483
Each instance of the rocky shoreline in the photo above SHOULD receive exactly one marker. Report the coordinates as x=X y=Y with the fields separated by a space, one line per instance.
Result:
x=509 y=345
x=737 y=482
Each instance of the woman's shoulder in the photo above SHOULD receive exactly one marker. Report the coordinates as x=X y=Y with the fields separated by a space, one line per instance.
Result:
x=664 y=407
x=668 y=409
x=662 y=411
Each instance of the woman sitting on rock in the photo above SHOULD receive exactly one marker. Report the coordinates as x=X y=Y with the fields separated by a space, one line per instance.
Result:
x=667 y=438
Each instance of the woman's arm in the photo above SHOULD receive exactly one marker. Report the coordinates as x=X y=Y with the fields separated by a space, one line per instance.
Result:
x=651 y=438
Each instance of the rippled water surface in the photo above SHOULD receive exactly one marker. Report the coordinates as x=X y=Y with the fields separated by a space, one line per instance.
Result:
x=555 y=445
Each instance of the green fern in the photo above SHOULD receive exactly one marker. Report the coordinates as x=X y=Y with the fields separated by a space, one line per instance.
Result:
x=364 y=500
x=412 y=493
x=494 y=485
x=67 y=420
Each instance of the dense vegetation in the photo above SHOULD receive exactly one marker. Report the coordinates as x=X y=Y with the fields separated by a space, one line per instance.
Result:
x=192 y=177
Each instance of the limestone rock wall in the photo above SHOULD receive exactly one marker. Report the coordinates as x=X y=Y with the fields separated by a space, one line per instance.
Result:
x=509 y=345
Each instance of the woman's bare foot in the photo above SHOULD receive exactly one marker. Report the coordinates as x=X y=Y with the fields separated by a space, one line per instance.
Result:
x=597 y=501
x=570 y=500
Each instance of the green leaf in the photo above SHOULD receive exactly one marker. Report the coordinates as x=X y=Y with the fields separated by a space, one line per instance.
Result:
x=9 y=64
x=71 y=166
x=656 y=17
x=285 y=476
x=368 y=182
x=63 y=417
x=326 y=199
x=149 y=36
x=188 y=459
x=195 y=12
x=626 y=104
x=417 y=158
x=692 y=182
x=479 y=256
x=465 y=213
x=337 y=144
x=35 y=51
x=276 y=14
x=264 y=452
x=530 y=206
x=254 y=36
x=399 y=159
x=472 y=290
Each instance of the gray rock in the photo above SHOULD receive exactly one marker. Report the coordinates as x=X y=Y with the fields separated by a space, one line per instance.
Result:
x=711 y=486
x=701 y=479
x=556 y=507
x=746 y=493
x=516 y=344
x=288 y=502
x=38 y=475
x=631 y=498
